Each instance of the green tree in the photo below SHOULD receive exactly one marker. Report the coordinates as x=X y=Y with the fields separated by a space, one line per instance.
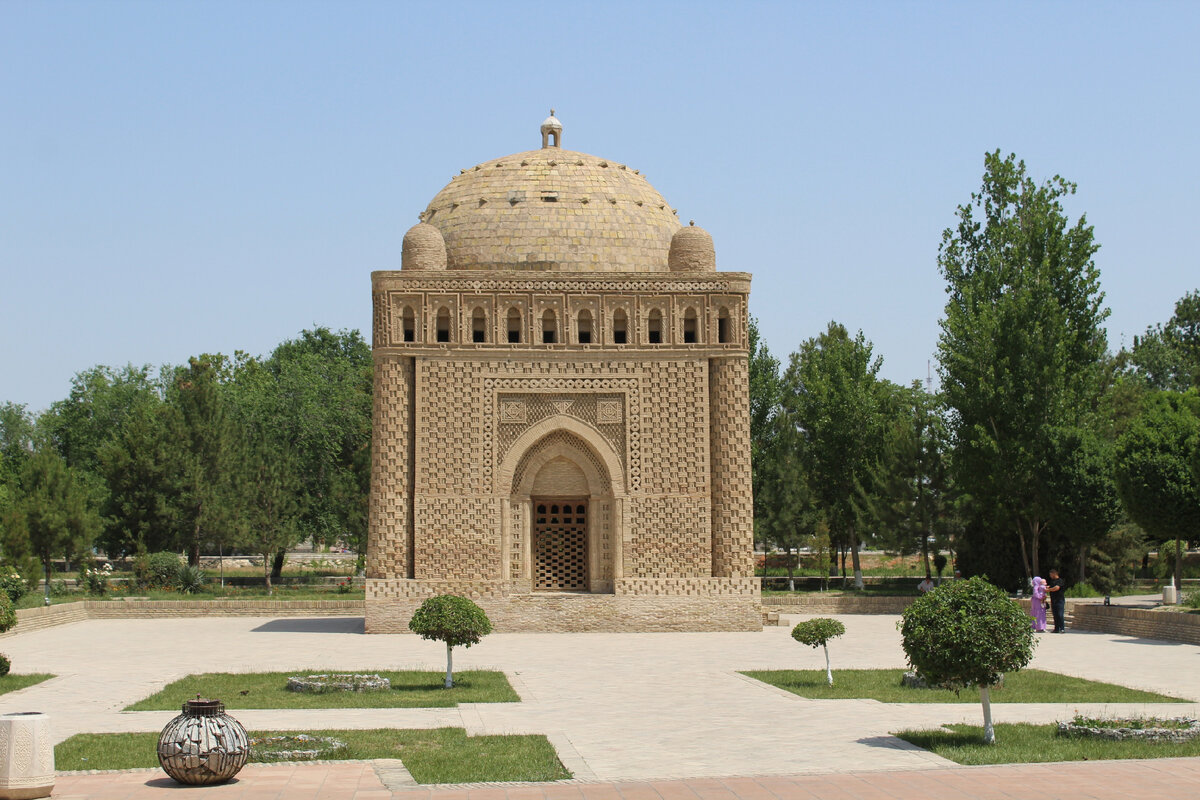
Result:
x=1081 y=482
x=764 y=408
x=817 y=633
x=269 y=505
x=831 y=396
x=1155 y=479
x=312 y=399
x=141 y=469
x=967 y=633
x=53 y=511
x=202 y=437
x=906 y=493
x=451 y=619
x=1021 y=342
x=1168 y=356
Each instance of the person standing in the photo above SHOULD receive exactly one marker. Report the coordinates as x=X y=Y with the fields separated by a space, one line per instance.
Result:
x=1058 y=601
x=925 y=586
x=1037 y=605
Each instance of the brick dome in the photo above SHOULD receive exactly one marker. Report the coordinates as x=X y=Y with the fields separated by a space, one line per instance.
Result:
x=553 y=209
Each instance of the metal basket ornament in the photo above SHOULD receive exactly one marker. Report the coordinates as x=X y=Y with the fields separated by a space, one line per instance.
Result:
x=203 y=745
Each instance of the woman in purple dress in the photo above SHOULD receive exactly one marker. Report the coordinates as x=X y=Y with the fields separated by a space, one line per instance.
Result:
x=1037 y=605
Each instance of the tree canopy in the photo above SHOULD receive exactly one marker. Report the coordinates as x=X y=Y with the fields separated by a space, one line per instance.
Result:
x=1021 y=342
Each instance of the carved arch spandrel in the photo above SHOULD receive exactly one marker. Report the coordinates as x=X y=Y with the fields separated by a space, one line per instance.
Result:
x=590 y=440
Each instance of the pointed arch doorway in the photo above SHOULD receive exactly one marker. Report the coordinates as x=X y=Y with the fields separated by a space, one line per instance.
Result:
x=562 y=531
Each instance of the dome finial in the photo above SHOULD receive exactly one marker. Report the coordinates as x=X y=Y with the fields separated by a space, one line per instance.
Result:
x=551 y=131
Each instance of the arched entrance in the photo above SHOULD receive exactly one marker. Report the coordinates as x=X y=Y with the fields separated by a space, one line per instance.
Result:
x=562 y=520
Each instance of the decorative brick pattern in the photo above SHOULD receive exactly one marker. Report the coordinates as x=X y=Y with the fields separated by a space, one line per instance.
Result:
x=671 y=538
x=390 y=531
x=556 y=439
x=675 y=403
x=459 y=538
x=732 y=488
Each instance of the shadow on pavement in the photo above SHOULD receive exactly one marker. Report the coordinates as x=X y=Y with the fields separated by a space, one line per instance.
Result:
x=890 y=742
x=313 y=625
x=171 y=783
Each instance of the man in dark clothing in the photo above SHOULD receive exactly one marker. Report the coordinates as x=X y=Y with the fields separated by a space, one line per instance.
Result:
x=1058 y=601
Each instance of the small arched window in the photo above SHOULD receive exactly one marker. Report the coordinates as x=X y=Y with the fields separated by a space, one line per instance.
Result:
x=443 y=324
x=723 y=326
x=620 y=331
x=584 y=324
x=654 y=327
x=689 y=326
x=478 y=326
x=408 y=324
x=514 y=326
x=549 y=328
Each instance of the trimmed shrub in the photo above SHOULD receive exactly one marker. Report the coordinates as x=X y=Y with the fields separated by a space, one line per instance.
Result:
x=156 y=570
x=451 y=619
x=5 y=665
x=817 y=633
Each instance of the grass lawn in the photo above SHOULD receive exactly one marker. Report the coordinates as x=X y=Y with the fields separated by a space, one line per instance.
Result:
x=441 y=755
x=1026 y=686
x=11 y=682
x=410 y=689
x=1023 y=743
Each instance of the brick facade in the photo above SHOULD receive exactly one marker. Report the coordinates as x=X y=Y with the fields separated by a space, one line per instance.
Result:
x=562 y=339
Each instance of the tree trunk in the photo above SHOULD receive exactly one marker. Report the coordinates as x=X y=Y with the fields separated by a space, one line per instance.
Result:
x=46 y=585
x=828 y=671
x=1024 y=555
x=194 y=551
x=449 y=666
x=1082 y=564
x=989 y=733
x=858 y=579
x=787 y=551
x=267 y=573
x=277 y=564
x=1179 y=567
x=1035 y=535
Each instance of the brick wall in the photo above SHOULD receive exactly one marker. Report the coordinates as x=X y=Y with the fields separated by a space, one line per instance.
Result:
x=32 y=619
x=1170 y=626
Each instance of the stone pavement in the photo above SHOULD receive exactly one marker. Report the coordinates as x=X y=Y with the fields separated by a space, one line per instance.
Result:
x=618 y=707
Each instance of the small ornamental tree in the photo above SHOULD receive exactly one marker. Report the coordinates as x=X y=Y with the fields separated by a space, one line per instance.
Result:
x=966 y=633
x=817 y=633
x=451 y=619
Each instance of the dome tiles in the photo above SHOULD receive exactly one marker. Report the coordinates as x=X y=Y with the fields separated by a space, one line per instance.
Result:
x=553 y=209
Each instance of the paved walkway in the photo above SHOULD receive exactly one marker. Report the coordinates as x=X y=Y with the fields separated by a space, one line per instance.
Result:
x=618 y=707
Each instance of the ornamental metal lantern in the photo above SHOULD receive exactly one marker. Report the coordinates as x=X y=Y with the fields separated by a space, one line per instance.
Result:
x=203 y=745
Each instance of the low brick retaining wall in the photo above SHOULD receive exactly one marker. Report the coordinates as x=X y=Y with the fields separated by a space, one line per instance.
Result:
x=1171 y=626
x=32 y=619
x=836 y=604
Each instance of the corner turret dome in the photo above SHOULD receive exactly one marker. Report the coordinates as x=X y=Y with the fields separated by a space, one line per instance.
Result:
x=553 y=209
x=692 y=250
x=423 y=248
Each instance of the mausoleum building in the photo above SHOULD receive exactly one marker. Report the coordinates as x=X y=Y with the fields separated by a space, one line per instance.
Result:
x=561 y=418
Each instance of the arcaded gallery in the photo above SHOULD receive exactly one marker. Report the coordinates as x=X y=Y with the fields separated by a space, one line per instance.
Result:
x=561 y=421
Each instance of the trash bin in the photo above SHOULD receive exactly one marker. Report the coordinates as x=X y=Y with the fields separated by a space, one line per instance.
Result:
x=26 y=756
x=1170 y=597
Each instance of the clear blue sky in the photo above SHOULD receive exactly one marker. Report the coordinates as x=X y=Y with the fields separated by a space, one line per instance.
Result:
x=187 y=177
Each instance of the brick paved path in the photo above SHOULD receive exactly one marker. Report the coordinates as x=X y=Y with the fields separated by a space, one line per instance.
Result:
x=617 y=707
x=1099 y=780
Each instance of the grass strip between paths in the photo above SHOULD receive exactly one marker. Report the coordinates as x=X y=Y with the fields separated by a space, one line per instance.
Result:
x=440 y=755
x=11 y=682
x=1023 y=743
x=1026 y=686
x=410 y=689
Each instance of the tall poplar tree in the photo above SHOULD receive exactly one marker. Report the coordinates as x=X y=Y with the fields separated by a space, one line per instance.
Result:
x=831 y=396
x=1021 y=341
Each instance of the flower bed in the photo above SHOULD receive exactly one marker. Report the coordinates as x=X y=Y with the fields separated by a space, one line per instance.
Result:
x=300 y=747
x=338 y=682
x=1148 y=729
